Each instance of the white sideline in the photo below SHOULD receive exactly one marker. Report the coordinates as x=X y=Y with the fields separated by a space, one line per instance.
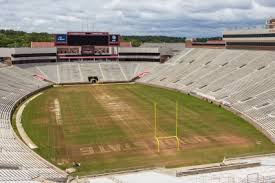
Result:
x=19 y=126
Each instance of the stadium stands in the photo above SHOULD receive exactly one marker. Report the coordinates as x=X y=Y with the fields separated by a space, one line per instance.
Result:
x=18 y=162
x=243 y=80
x=76 y=72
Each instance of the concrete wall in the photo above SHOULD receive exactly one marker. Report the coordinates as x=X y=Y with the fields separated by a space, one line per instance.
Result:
x=6 y=52
x=34 y=50
x=138 y=50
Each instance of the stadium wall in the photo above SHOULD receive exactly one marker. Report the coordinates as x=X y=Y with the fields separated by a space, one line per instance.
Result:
x=209 y=44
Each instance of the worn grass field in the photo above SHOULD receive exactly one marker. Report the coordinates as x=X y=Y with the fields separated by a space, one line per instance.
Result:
x=111 y=127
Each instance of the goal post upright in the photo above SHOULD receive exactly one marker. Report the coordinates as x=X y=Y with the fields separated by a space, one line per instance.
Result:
x=177 y=121
x=177 y=116
x=155 y=118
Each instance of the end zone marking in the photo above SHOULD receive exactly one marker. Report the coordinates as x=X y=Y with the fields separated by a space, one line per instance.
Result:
x=168 y=137
x=57 y=110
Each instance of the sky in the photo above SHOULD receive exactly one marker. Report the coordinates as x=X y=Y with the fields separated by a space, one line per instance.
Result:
x=183 y=18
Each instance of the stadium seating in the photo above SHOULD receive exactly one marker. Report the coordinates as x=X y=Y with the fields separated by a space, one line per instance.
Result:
x=75 y=72
x=18 y=162
x=243 y=80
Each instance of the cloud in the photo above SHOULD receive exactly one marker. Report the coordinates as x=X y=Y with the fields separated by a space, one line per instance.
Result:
x=268 y=3
x=191 y=18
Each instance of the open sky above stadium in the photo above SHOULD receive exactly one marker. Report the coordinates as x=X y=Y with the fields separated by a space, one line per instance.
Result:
x=190 y=18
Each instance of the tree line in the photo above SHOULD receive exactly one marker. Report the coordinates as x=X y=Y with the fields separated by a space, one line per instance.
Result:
x=12 y=38
x=138 y=40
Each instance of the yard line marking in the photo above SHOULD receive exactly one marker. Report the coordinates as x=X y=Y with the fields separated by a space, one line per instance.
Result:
x=57 y=110
x=114 y=105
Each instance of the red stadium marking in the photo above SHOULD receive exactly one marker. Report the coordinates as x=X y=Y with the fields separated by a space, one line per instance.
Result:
x=141 y=75
x=39 y=77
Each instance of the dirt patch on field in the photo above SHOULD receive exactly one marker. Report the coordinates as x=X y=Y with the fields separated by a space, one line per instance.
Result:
x=122 y=112
x=149 y=146
x=108 y=127
x=139 y=130
x=58 y=143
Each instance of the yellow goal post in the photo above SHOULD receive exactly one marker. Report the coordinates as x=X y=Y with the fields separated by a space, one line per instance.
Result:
x=158 y=138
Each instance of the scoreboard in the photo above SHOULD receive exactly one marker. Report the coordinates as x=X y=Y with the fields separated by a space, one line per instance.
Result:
x=87 y=45
x=87 y=39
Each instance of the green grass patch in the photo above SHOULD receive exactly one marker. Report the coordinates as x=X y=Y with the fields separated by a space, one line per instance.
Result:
x=111 y=127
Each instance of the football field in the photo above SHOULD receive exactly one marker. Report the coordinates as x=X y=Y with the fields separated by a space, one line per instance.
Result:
x=112 y=128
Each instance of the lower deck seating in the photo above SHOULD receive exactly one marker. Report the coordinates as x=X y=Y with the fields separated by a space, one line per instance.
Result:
x=18 y=162
x=241 y=78
x=74 y=72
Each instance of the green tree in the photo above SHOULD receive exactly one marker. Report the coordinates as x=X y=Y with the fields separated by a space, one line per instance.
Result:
x=11 y=38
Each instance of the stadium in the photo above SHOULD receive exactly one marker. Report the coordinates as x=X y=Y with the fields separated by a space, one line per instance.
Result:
x=84 y=108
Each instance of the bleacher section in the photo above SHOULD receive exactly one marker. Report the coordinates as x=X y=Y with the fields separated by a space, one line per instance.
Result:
x=18 y=162
x=76 y=72
x=244 y=80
